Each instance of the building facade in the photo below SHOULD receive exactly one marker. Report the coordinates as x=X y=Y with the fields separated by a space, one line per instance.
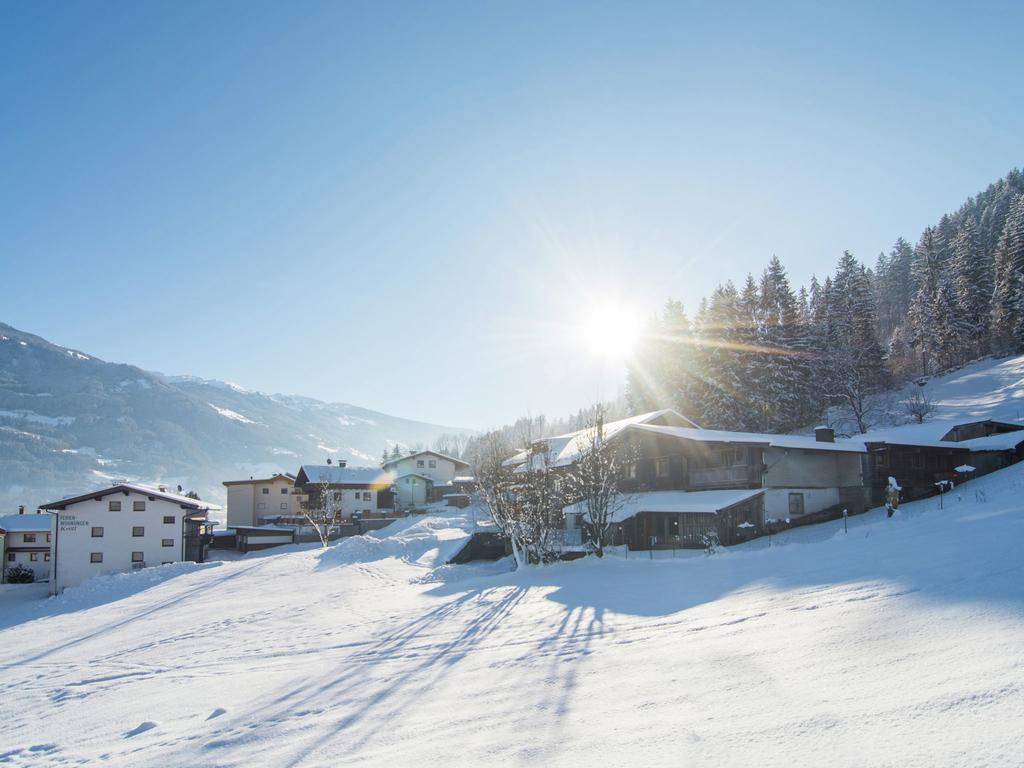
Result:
x=126 y=527
x=424 y=477
x=355 y=491
x=252 y=502
x=28 y=543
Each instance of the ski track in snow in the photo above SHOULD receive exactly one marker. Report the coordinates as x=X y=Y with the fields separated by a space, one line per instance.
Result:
x=900 y=643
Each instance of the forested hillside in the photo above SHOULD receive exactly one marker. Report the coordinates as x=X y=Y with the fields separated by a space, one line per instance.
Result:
x=766 y=357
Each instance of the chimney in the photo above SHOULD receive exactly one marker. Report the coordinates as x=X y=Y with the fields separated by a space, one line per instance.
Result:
x=342 y=462
x=824 y=434
x=21 y=509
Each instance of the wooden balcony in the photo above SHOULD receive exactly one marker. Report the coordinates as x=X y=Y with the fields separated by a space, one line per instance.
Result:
x=739 y=476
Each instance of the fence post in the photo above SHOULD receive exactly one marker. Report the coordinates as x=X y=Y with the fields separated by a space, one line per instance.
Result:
x=845 y=516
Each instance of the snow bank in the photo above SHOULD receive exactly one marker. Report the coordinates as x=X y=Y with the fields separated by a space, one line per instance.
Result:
x=896 y=644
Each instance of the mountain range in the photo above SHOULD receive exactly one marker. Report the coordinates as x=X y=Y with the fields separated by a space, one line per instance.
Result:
x=70 y=421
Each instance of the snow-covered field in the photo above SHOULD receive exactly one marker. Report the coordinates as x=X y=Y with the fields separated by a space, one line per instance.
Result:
x=900 y=643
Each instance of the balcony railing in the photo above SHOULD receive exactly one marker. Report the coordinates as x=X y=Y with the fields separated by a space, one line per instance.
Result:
x=719 y=476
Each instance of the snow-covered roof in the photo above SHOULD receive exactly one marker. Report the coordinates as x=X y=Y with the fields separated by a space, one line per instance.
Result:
x=565 y=449
x=707 y=502
x=930 y=434
x=1006 y=441
x=32 y=522
x=145 y=490
x=755 y=438
x=329 y=473
x=456 y=462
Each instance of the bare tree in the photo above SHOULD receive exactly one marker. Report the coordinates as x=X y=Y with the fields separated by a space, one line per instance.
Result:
x=323 y=510
x=593 y=480
x=857 y=389
x=496 y=483
x=920 y=406
x=524 y=498
x=450 y=444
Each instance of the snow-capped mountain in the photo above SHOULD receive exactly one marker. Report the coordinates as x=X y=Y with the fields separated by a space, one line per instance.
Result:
x=70 y=421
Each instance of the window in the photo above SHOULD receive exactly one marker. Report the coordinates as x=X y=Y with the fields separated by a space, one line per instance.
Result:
x=265 y=491
x=138 y=506
x=46 y=557
x=166 y=542
x=114 y=506
x=366 y=495
x=96 y=557
x=30 y=538
x=261 y=505
x=796 y=504
x=661 y=467
x=11 y=557
x=137 y=557
x=432 y=463
x=284 y=505
x=419 y=463
x=166 y=562
x=337 y=495
x=631 y=470
x=138 y=530
x=97 y=532
x=284 y=491
x=48 y=538
x=168 y=519
x=34 y=557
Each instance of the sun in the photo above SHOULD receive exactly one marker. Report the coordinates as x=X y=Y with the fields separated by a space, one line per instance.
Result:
x=610 y=331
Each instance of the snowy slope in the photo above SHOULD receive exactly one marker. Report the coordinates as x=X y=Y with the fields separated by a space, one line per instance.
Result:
x=900 y=643
x=988 y=389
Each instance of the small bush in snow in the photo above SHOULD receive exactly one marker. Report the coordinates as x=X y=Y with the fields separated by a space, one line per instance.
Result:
x=20 y=574
x=711 y=542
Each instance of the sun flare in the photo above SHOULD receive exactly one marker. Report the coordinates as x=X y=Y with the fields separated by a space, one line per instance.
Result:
x=610 y=331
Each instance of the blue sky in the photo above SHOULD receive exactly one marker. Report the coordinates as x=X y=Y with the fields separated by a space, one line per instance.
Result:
x=409 y=206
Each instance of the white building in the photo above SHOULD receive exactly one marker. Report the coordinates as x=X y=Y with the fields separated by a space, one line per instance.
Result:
x=124 y=527
x=28 y=542
x=253 y=501
x=422 y=477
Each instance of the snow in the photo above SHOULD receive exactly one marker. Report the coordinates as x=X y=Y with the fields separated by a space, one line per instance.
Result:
x=755 y=438
x=229 y=414
x=897 y=644
x=38 y=418
x=565 y=449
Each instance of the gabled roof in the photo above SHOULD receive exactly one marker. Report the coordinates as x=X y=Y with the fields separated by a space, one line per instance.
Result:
x=456 y=462
x=565 y=449
x=334 y=475
x=253 y=481
x=144 y=490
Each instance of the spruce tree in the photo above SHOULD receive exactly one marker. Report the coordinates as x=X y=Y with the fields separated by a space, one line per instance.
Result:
x=972 y=287
x=1009 y=265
